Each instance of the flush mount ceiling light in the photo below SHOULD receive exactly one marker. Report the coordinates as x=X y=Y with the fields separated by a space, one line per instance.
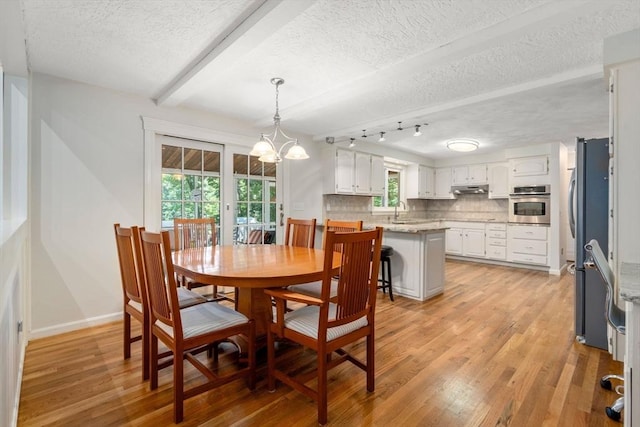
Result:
x=417 y=132
x=266 y=150
x=462 y=144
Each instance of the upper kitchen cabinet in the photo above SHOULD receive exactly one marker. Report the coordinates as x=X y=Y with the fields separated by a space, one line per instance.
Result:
x=529 y=170
x=349 y=172
x=420 y=182
x=498 y=177
x=469 y=175
x=443 y=184
x=339 y=166
x=377 y=175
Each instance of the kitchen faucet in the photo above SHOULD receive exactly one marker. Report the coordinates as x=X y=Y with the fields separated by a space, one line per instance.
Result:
x=395 y=209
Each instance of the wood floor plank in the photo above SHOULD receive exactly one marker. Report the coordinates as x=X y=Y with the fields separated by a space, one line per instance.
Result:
x=496 y=349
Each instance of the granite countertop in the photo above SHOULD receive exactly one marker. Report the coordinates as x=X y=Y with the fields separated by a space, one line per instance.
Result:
x=630 y=282
x=409 y=226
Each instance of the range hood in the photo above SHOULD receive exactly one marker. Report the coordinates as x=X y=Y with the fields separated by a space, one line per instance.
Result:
x=470 y=189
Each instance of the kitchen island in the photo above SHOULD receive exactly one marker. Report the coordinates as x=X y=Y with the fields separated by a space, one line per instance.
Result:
x=417 y=265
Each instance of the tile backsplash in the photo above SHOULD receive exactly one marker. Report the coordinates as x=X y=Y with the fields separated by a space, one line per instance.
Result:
x=466 y=207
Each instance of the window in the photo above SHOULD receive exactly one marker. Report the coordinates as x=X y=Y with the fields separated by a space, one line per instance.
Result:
x=191 y=184
x=392 y=188
x=255 y=200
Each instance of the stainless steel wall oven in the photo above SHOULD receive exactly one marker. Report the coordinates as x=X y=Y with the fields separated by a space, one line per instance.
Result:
x=530 y=204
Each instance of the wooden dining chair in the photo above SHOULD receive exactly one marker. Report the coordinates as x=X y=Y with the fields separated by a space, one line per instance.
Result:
x=314 y=288
x=133 y=291
x=196 y=233
x=300 y=232
x=326 y=326
x=185 y=332
x=136 y=303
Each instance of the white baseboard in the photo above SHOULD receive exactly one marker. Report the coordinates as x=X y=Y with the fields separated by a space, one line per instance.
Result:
x=73 y=326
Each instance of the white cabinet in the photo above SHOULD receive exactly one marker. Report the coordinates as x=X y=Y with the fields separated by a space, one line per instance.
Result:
x=473 y=243
x=349 y=172
x=498 y=178
x=417 y=264
x=469 y=175
x=443 y=184
x=362 y=173
x=454 y=241
x=339 y=166
x=527 y=244
x=529 y=166
x=466 y=239
x=420 y=182
x=377 y=175
x=496 y=241
x=460 y=175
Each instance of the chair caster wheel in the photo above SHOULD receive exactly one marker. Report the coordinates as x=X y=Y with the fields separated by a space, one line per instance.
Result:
x=605 y=384
x=612 y=414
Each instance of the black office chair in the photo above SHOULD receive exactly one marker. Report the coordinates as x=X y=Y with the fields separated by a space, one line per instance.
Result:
x=614 y=315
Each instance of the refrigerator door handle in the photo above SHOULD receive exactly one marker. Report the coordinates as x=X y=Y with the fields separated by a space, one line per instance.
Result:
x=572 y=214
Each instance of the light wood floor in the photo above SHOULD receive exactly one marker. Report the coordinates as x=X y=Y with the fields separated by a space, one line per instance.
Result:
x=496 y=349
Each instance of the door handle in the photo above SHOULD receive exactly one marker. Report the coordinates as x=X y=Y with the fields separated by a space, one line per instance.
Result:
x=281 y=219
x=572 y=216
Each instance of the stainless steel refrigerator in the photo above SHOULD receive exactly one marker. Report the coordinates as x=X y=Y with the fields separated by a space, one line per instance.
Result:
x=588 y=208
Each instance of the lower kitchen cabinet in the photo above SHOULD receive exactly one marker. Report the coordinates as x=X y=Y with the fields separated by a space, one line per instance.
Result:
x=466 y=239
x=527 y=244
x=496 y=241
x=417 y=264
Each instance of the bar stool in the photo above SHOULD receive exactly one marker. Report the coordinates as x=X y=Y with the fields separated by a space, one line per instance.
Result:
x=385 y=261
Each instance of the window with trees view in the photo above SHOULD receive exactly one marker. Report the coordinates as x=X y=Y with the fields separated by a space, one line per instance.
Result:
x=391 y=195
x=191 y=184
x=255 y=200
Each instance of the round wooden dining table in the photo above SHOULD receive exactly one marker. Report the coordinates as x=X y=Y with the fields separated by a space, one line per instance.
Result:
x=251 y=268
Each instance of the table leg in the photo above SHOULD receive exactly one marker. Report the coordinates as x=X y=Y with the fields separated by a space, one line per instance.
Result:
x=254 y=303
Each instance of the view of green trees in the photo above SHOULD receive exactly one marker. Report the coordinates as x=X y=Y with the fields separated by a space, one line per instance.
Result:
x=392 y=193
x=192 y=197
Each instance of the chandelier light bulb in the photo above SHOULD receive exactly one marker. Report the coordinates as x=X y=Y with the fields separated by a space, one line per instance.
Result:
x=382 y=138
x=352 y=143
x=417 y=132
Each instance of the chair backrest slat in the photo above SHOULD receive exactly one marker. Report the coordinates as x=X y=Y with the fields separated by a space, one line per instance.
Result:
x=193 y=232
x=300 y=232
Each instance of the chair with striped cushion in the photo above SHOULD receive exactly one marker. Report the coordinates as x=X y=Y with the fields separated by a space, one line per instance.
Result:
x=314 y=288
x=196 y=233
x=134 y=292
x=186 y=332
x=327 y=325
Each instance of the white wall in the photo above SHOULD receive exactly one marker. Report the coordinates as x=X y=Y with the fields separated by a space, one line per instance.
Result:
x=87 y=173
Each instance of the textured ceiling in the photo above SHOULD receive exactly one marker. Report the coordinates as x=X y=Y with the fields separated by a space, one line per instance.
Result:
x=507 y=72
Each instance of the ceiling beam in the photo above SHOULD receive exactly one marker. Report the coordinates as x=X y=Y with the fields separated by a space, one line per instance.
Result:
x=259 y=21
x=575 y=76
x=534 y=20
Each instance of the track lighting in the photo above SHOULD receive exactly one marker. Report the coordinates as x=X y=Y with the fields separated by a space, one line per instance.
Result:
x=382 y=134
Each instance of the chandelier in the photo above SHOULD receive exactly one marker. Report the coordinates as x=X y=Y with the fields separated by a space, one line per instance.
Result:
x=265 y=149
